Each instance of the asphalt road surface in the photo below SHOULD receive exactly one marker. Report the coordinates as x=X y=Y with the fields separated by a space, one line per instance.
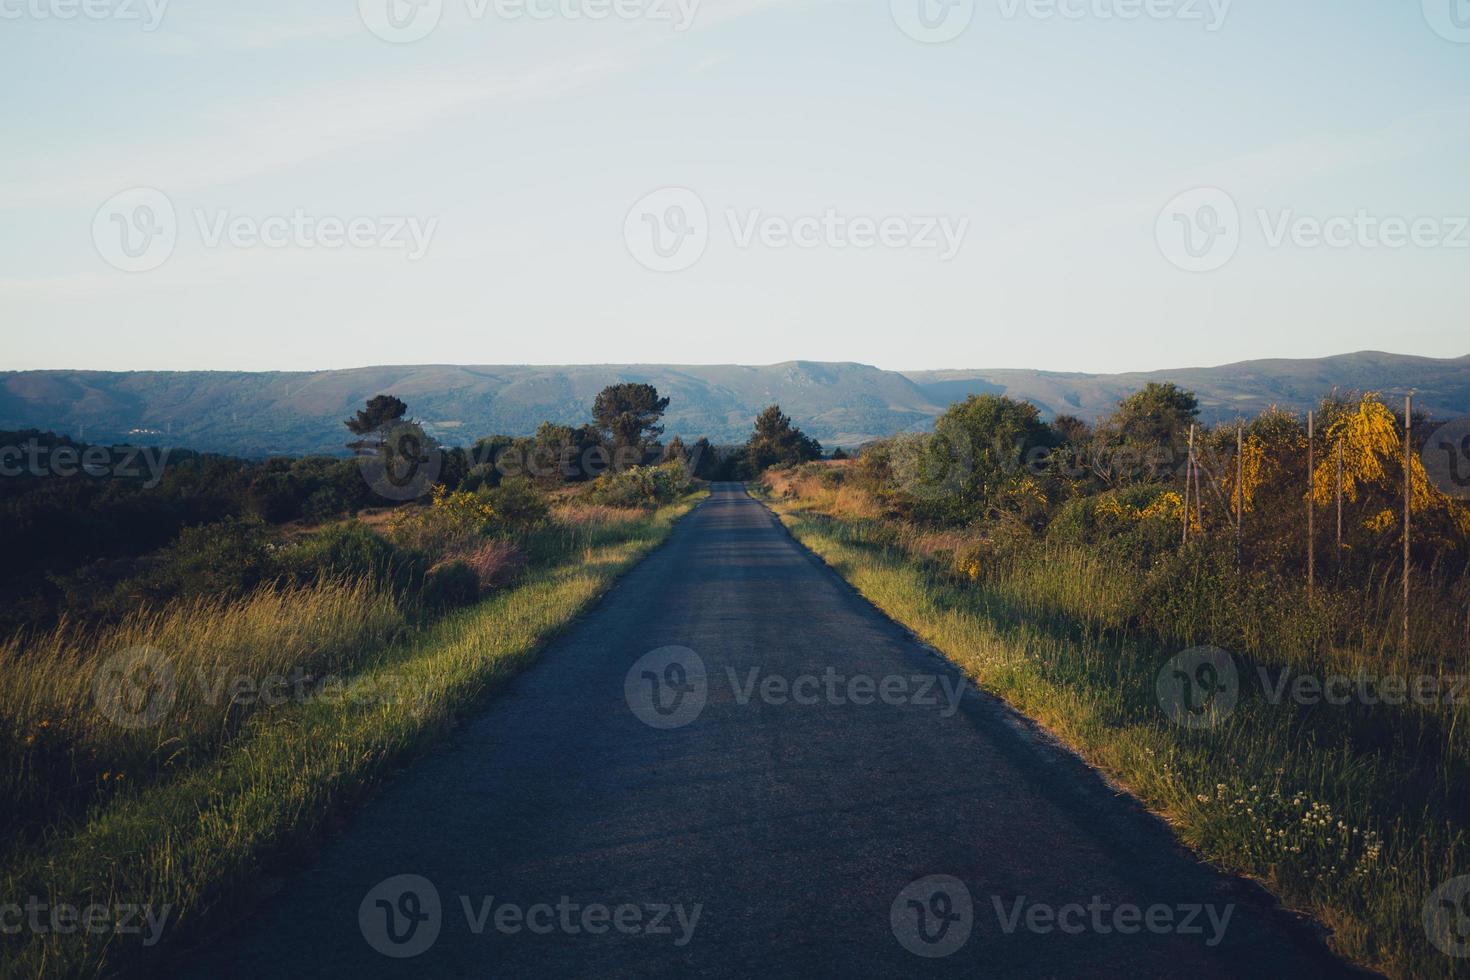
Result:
x=735 y=766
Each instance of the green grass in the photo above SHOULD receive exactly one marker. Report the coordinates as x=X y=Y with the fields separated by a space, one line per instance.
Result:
x=62 y=753
x=1354 y=813
x=203 y=841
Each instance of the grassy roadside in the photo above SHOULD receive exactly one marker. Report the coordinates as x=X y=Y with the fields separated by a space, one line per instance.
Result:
x=202 y=846
x=1277 y=792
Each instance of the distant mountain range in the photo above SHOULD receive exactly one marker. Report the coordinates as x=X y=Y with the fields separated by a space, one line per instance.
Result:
x=263 y=413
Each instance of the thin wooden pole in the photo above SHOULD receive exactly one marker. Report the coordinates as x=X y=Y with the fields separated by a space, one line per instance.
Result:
x=1311 y=510
x=1408 y=499
x=1239 y=485
x=1339 y=503
x=1199 y=497
x=1188 y=475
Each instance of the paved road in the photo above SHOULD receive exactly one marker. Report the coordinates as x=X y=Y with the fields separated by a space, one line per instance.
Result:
x=784 y=829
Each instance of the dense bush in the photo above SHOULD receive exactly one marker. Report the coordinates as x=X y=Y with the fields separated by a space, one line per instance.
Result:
x=450 y=585
x=353 y=551
x=517 y=503
x=223 y=559
x=641 y=486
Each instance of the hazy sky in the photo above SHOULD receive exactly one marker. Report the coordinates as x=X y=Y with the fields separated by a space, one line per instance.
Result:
x=972 y=183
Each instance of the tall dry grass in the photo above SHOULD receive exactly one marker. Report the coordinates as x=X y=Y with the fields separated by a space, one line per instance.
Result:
x=202 y=841
x=88 y=711
x=582 y=514
x=1356 y=811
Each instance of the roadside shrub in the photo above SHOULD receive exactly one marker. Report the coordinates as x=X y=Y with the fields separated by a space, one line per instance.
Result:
x=1141 y=522
x=452 y=523
x=224 y=559
x=495 y=563
x=450 y=585
x=517 y=503
x=641 y=486
x=353 y=551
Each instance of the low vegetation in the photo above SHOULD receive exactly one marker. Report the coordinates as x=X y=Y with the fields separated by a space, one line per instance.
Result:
x=174 y=732
x=1073 y=590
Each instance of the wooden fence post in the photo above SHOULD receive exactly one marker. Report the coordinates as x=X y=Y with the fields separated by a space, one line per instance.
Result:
x=1339 y=503
x=1239 y=485
x=1188 y=476
x=1311 y=508
x=1408 y=510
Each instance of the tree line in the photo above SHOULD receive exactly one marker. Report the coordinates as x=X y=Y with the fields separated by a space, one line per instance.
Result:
x=78 y=518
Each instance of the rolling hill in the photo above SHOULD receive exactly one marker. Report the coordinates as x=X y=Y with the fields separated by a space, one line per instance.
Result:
x=262 y=413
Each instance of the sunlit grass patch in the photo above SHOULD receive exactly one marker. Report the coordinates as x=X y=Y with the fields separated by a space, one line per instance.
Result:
x=1356 y=812
x=200 y=844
